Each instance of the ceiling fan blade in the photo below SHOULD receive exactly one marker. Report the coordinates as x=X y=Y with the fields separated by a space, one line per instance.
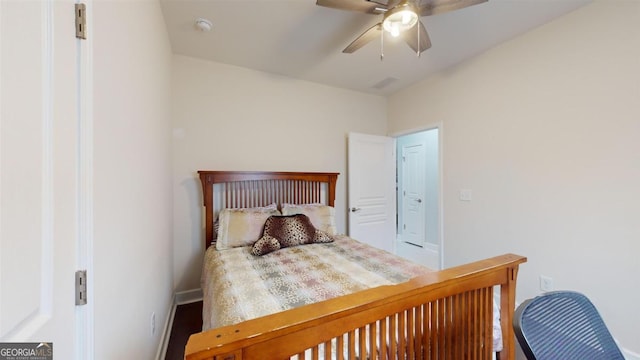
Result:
x=434 y=7
x=364 y=6
x=392 y=3
x=411 y=38
x=366 y=37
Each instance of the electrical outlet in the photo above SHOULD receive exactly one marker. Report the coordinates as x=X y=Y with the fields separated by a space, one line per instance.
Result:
x=153 y=323
x=465 y=194
x=546 y=283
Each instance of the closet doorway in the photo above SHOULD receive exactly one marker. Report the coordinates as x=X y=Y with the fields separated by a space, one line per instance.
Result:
x=418 y=197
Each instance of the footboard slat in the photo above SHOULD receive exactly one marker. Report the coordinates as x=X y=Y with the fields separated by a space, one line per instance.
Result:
x=402 y=338
x=466 y=332
x=340 y=348
x=433 y=325
x=418 y=332
x=443 y=315
x=382 y=340
x=477 y=325
x=441 y=337
x=393 y=349
x=352 y=344
x=328 y=350
x=373 y=340
x=489 y=325
x=458 y=326
x=362 y=337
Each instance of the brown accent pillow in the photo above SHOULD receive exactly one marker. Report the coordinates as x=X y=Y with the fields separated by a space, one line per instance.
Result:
x=216 y=227
x=286 y=231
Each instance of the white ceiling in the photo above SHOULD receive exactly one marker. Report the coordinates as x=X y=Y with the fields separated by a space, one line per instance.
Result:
x=298 y=39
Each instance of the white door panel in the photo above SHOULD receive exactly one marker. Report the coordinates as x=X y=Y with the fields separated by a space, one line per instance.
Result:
x=21 y=176
x=418 y=200
x=371 y=183
x=413 y=188
x=38 y=172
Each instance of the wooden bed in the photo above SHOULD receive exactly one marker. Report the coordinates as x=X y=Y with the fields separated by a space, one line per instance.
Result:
x=445 y=314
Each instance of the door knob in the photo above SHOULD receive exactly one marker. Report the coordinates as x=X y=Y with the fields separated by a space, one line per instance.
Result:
x=419 y=200
x=354 y=209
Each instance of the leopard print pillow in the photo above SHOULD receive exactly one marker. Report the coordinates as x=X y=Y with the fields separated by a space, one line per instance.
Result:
x=286 y=231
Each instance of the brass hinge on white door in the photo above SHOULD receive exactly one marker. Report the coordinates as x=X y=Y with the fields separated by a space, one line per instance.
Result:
x=81 y=287
x=81 y=22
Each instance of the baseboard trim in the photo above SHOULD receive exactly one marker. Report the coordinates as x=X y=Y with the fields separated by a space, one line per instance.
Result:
x=161 y=354
x=188 y=297
x=179 y=298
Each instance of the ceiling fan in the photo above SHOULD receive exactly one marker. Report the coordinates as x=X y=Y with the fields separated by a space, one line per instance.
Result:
x=399 y=18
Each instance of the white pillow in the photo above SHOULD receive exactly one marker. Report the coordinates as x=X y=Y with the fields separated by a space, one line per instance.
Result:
x=322 y=217
x=242 y=227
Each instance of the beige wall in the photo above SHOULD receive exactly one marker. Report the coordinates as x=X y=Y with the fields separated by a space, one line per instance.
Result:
x=231 y=118
x=545 y=130
x=132 y=178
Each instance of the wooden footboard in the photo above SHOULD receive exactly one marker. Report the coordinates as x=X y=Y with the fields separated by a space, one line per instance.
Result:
x=442 y=315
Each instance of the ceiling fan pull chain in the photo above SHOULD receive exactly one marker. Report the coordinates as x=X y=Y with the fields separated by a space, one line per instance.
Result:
x=381 y=45
x=418 y=27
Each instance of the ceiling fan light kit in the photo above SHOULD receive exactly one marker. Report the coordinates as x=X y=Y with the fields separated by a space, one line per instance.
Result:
x=400 y=19
x=399 y=16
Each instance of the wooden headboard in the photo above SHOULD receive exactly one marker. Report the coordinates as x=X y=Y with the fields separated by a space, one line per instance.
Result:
x=260 y=188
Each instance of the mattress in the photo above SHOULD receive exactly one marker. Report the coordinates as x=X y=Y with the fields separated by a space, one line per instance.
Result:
x=239 y=286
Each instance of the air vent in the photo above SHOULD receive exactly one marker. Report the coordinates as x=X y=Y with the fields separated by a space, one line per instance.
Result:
x=384 y=83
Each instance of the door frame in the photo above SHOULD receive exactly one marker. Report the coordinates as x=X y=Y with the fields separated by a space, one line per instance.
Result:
x=84 y=259
x=432 y=126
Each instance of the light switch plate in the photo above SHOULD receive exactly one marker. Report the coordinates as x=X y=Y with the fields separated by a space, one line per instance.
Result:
x=546 y=283
x=465 y=194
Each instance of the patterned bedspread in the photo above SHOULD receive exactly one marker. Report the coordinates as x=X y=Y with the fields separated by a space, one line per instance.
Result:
x=238 y=286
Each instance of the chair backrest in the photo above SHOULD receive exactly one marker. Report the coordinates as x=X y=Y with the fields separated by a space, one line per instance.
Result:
x=563 y=325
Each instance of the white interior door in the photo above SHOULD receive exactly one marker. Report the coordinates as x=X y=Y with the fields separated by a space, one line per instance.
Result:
x=38 y=174
x=412 y=192
x=371 y=188
x=419 y=204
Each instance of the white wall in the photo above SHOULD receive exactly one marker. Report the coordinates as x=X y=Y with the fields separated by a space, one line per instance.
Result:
x=132 y=170
x=545 y=130
x=230 y=118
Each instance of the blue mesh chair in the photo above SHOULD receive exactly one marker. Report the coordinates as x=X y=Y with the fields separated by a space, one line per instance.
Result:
x=563 y=325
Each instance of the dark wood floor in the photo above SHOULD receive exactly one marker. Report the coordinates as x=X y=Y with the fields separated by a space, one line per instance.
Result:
x=187 y=321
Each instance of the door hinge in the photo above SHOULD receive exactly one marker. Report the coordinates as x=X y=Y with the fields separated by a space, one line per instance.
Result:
x=81 y=22
x=81 y=287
